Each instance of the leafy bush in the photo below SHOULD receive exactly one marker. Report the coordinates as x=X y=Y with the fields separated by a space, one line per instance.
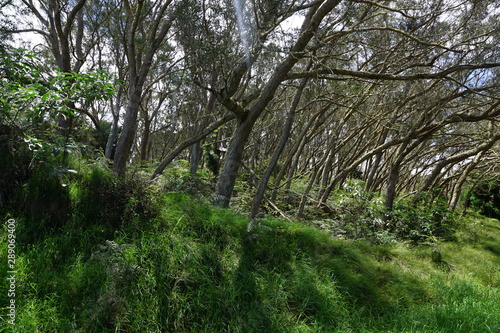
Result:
x=422 y=223
x=360 y=214
x=485 y=197
x=178 y=178
x=356 y=214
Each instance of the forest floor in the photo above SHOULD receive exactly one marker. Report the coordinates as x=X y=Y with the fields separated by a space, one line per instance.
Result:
x=192 y=267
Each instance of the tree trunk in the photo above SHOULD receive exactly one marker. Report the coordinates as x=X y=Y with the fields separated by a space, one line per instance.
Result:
x=370 y=181
x=303 y=201
x=113 y=135
x=140 y=55
x=327 y=170
x=277 y=153
x=145 y=140
x=194 y=161
x=232 y=163
x=455 y=159
x=457 y=189
x=248 y=118
x=392 y=181
x=295 y=148
x=127 y=136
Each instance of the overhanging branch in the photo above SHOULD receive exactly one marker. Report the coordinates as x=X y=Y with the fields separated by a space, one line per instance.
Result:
x=334 y=72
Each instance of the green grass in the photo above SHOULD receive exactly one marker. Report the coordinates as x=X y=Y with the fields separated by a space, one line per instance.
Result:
x=186 y=266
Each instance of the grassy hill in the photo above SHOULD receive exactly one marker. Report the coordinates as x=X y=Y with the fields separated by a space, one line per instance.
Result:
x=119 y=259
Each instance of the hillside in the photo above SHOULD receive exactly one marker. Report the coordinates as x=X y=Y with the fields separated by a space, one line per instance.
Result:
x=249 y=166
x=171 y=262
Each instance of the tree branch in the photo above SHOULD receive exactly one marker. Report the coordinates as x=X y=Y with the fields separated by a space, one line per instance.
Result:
x=41 y=32
x=323 y=73
x=71 y=17
x=190 y=142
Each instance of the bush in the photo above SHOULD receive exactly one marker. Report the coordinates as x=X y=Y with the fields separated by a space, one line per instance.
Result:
x=15 y=166
x=45 y=202
x=422 y=223
x=100 y=198
x=485 y=197
x=356 y=214
x=178 y=178
x=360 y=214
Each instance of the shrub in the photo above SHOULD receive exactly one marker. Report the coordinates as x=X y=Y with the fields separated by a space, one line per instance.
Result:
x=421 y=223
x=178 y=178
x=485 y=197
x=15 y=166
x=101 y=198
x=357 y=214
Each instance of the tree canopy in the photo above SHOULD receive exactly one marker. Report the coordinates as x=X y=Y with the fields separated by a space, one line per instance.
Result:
x=296 y=97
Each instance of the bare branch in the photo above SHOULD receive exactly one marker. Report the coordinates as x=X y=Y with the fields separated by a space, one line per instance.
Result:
x=376 y=4
x=323 y=73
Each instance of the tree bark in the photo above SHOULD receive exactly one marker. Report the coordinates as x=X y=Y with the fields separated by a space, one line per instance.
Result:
x=113 y=135
x=247 y=118
x=129 y=129
x=232 y=163
x=259 y=195
x=145 y=140
x=195 y=157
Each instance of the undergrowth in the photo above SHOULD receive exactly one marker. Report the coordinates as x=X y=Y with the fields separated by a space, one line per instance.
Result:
x=123 y=257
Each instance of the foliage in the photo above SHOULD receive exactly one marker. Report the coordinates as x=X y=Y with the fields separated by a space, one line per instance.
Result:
x=188 y=266
x=486 y=198
x=21 y=89
x=180 y=179
x=358 y=209
x=359 y=214
x=30 y=146
x=101 y=199
x=354 y=214
x=424 y=222
x=101 y=253
x=28 y=96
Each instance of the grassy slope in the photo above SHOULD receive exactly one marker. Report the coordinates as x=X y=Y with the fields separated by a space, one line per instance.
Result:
x=195 y=268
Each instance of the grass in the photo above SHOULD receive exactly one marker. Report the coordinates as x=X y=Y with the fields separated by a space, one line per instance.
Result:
x=181 y=265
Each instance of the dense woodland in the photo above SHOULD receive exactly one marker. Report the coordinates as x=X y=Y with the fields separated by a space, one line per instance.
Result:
x=128 y=127
x=402 y=95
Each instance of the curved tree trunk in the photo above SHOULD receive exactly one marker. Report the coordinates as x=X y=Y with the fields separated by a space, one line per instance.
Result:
x=248 y=118
x=277 y=153
x=455 y=159
x=232 y=163
x=457 y=189
x=298 y=144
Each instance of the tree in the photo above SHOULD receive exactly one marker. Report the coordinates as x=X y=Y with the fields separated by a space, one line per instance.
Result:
x=305 y=92
x=64 y=29
x=147 y=27
x=246 y=118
